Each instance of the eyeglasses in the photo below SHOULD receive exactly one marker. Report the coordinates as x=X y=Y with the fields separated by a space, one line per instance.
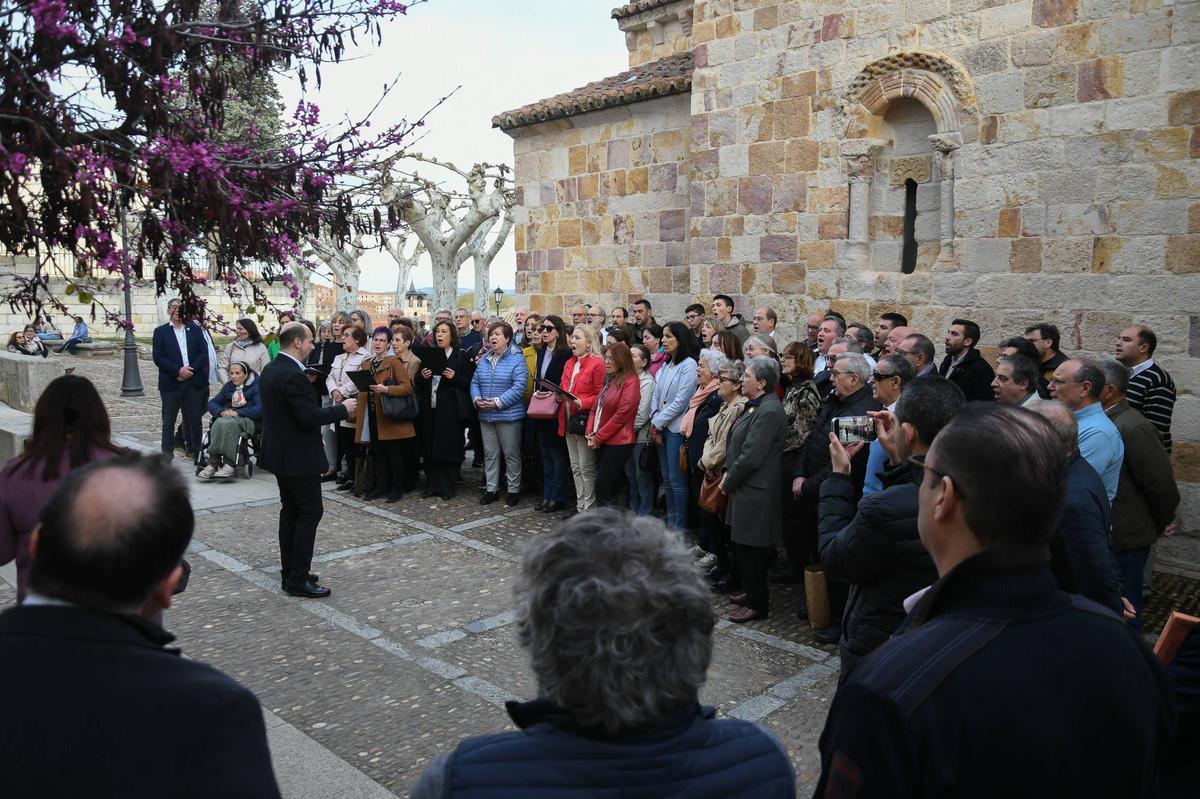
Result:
x=548 y=328
x=881 y=376
x=905 y=353
x=1058 y=381
x=812 y=328
x=691 y=317
x=595 y=316
x=729 y=380
x=919 y=467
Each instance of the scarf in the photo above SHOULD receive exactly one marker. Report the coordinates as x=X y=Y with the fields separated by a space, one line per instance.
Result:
x=689 y=416
x=239 y=397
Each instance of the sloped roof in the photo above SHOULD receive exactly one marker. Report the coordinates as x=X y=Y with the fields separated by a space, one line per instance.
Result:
x=637 y=7
x=666 y=76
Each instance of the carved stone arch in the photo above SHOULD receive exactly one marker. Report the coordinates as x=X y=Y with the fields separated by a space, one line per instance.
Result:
x=939 y=83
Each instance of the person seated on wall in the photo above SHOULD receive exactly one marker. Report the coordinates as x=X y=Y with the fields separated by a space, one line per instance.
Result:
x=235 y=410
x=631 y=722
x=79 y=335
x=26 y=342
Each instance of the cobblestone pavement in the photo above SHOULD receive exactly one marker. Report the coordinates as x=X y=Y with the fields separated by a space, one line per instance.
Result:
x=415 y=649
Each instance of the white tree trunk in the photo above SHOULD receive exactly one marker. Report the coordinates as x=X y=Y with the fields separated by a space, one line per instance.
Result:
x=445 y=281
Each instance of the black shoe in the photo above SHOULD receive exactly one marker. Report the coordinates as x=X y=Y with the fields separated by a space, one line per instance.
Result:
x=828 y=635
x=512 y=499
x=426 y=494
x=395 y=496
x=329 y=478
x=374 y=494
x=540 y=507
x=488 y=498
x=553 y=507
x=802 y=612
x=309 y=589
x=346 y=486
x=445 y=497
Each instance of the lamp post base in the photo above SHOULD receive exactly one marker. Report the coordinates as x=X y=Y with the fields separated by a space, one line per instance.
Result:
x=131 y=377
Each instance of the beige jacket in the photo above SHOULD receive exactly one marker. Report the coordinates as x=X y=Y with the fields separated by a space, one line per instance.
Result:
x=713 y=457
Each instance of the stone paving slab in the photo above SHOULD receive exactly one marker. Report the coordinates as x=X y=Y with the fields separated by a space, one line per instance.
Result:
x=495 y=656
x=798 y=724
x=413 y=591
x=384 y=715
x=252 y=534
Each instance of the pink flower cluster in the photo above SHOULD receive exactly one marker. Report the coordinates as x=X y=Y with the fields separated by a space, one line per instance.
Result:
x=48 y=20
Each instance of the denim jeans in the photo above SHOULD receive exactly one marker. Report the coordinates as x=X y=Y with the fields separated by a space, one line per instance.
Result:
x=70 y=344
x=641 y=483
x=675 y=482
x=555 y=465
x=1131 y=562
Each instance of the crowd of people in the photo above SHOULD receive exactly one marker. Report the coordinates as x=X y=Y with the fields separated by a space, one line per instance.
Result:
x=982 y=532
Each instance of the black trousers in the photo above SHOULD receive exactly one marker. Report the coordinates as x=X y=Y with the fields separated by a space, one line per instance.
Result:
x=190 y=399
x=346 y=449
x=442 y=478
x=753 y=563
x=475 y=440
x=610 y=473
x=410 y=465
x=389 y=466
x=715 y=535
x=298 y=519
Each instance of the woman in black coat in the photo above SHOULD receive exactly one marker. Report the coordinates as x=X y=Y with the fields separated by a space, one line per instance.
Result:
x=551 y=359
x=445 y=407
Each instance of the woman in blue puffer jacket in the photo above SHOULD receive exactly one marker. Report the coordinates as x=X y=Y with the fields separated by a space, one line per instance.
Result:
x=234 y=410
x=498 y=390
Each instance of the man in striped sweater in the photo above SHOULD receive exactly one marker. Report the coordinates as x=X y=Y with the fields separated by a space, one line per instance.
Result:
x=1151 y=390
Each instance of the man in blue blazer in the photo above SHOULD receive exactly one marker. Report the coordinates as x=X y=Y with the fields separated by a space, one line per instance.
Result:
x=181 y=355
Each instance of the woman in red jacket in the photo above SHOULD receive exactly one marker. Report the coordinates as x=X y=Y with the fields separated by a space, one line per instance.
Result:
x=583 y=376
x=610 y=424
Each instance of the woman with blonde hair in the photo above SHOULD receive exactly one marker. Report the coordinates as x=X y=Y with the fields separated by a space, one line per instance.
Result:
x=583 y=377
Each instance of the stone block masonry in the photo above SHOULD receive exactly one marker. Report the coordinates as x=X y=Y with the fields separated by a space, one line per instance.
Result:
x=1055 y=145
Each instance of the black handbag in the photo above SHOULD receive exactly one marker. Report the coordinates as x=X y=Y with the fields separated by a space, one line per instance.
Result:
x=648 y=459
x=577 y=423
x=399 y=409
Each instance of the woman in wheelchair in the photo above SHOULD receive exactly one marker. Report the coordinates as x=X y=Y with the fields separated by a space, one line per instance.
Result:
x=235 y=410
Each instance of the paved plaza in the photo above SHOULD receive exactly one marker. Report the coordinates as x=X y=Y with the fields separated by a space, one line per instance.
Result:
x=415 y=649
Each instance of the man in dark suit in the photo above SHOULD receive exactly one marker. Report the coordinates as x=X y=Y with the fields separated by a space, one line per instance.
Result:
x=181 y=355
x=292 y=451
x=98 y=705
x=963 y=365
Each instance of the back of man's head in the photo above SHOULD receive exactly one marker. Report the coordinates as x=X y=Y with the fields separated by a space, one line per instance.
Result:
x=1062 y=419
x=291 y=333
x=928 y=404
x=1008 y=471
x=111 y=532
x=1116 y=375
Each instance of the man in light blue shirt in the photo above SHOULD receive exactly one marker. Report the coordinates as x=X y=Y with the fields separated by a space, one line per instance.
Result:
x=1077 y=384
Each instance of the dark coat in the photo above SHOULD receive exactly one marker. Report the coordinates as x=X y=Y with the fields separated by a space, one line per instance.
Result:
x=689 y=753
x=877 y=550
x=1080 y=557
x=753 y=459
x=999 y=685
x=169 y=360
x=695 y=442
x=813 y=463
x=444 y=424
x=1147 y=496
x=224 y=399
x=974 y=376
x=101 y=707
x=292 y=421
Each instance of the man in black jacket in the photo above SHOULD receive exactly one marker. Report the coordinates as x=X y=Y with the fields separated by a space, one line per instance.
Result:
x=96 y=703
x=293 y=452
x=877 y=548
x=963 y=364
x=851 y=396
x=1081 y=556
x=998 y=683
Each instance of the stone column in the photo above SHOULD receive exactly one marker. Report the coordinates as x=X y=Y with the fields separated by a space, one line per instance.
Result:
x=946 y=145
x=859 y=156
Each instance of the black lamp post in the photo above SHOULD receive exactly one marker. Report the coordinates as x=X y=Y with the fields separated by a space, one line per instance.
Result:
x=497 y=294
x=131 y=377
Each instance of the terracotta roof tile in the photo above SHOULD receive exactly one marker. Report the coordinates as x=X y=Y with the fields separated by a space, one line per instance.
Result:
x=670 y=75
x=637 y=7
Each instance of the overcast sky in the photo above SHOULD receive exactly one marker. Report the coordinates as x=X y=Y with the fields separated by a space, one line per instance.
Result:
x=504 y=54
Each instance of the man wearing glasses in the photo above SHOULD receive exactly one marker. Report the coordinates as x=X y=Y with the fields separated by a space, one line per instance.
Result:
x=994 y=638
x=875 y=546
x=765 y=320
x=1078 y=384
x=693 y=317
x=917 y=347
x=596 y=317
x=892 y=375
x=813 y=327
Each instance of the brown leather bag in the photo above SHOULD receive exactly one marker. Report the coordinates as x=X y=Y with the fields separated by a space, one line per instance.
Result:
x=712 y=498
x=683 y=458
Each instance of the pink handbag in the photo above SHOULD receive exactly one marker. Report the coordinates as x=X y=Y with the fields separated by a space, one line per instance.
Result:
x=543 y=405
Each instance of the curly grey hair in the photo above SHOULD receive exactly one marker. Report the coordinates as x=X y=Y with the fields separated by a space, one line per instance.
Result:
x=616 y=618
x=714 y=360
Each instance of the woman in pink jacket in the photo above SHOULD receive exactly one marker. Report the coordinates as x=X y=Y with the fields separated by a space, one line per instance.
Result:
x=583 y=377
x=610 y=423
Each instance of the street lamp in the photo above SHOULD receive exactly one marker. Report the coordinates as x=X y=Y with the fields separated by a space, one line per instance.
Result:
x=497 y=294
x=131 y=377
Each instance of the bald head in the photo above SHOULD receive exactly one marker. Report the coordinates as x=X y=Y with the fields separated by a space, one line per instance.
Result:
x=1062 y=419
x=112 y=533
x=296 y=340
x=894 y=337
